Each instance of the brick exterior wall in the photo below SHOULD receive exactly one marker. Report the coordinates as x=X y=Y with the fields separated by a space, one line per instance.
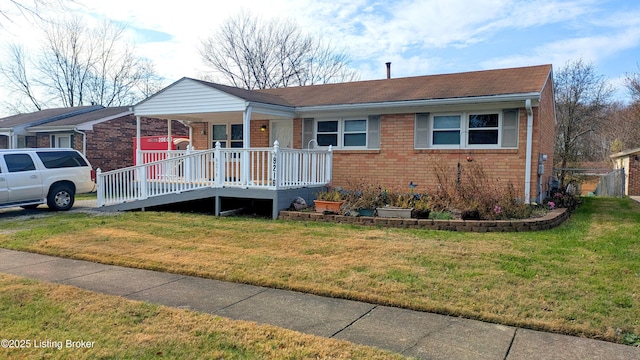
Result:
x=397 y=163
x=259 y=138
x=199 y=138
x=110 y=144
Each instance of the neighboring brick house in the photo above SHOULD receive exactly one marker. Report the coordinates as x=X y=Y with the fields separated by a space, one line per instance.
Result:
x=629 y=160
x=390 y=132
x=13 y=129
x=104 y=135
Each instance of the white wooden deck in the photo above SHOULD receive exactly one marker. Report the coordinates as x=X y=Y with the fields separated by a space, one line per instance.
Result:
x=186 y=175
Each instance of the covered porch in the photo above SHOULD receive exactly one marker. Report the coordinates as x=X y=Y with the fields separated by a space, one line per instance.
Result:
x=240 y=146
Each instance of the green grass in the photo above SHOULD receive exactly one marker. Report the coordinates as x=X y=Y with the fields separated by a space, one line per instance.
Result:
x=87 y=196
x=581 y=278
x=116 y=328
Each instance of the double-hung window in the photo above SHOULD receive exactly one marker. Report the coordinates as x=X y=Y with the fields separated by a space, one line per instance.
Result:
x=446 y=130
x=344 y=133
x=483 y=129
x=327 y=133
x=355 y=133
x=467 y=130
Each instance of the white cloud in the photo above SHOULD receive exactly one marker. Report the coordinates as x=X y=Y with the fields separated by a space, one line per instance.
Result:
x=417 y=36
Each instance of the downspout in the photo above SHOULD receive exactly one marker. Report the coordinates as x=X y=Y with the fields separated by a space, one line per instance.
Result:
x=84 y=140
x=527 y=170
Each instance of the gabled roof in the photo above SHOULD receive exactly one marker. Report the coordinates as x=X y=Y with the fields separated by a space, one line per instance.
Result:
x=189 y=98
x=523 y=80
x=251 y=95
x=98 y=115
x=44 y=116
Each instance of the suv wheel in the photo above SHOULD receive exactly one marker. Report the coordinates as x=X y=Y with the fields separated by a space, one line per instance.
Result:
x=60 y=198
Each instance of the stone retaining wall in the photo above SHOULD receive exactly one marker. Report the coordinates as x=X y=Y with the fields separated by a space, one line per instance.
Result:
x=550 y=220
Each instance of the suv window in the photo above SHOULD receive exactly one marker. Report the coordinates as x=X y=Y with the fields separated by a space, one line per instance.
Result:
x=19 y=162
x=61 y=159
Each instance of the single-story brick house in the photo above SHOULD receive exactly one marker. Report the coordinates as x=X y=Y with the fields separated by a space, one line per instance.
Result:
x=629 y=160
x=104 y=135
x=390 y=131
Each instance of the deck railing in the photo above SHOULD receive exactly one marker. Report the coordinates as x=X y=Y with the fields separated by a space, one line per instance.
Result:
x=171 y=172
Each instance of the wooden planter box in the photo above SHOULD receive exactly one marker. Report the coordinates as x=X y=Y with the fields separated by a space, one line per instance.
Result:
x=323 y=205
x=391 y=212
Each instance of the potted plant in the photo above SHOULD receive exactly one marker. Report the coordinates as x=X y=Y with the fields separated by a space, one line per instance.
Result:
x=421 y=206
x=364 y=200
x=330 y=199
x=397 y=205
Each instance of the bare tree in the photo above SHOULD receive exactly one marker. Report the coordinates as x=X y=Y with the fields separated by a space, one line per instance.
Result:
x=582 y=97
x=251 y=53
x=80 y=65
x=14 y=70
x=27 y=8
x=633 y=84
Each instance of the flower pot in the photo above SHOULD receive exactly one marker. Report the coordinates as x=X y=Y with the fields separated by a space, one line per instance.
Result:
x=324 y=205
x=391 y=212
x=420 y=214
x=366 y=212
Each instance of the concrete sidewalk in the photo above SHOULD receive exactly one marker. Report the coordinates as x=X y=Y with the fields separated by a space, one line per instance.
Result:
x=411 y=333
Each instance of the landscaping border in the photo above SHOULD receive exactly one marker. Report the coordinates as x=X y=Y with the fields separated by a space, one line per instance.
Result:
x=550 y=220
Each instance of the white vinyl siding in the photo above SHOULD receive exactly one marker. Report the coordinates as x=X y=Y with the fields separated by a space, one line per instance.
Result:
x=189 y=97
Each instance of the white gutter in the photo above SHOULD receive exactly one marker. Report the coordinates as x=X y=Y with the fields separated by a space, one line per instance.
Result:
x=527 y=170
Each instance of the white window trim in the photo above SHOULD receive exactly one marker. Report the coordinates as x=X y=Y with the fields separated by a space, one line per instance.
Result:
x=341 y=132
x=464 y=131
x=54 y=138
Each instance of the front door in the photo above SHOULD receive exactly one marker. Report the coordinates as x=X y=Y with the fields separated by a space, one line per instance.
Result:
x=282 y=130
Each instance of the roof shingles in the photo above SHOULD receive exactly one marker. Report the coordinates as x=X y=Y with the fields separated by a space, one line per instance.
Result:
x=447 y=86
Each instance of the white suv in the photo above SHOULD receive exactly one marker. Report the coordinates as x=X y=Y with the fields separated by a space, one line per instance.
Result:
x=31 y=177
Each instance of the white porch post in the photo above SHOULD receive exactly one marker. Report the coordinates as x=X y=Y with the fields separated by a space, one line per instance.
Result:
x=142 y=174
x=246 y=144
x=169 y=140
x=329 y=168
x=138 y=150
x=276 y=171
x=218 y=167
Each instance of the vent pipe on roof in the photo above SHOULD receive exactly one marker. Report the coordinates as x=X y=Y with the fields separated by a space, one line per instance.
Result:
x=388 y=70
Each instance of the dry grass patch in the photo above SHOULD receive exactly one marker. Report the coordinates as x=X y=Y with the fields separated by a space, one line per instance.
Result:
x=580 y=278
x=125 y=329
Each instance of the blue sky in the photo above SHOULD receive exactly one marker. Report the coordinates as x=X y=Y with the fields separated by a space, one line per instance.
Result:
x=419 y=37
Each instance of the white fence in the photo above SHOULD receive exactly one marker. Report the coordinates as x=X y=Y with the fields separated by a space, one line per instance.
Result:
x=172 y=172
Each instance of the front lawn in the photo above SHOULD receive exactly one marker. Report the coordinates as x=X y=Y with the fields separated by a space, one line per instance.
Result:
x=62 y=322
x=581 y=278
